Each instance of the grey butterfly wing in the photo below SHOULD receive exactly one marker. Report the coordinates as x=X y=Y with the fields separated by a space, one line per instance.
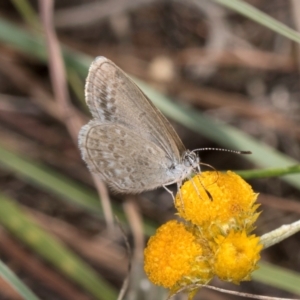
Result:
x=122 y=158
x=113 y=97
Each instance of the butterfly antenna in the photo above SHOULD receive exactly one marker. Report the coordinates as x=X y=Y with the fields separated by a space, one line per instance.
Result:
x=224 y=150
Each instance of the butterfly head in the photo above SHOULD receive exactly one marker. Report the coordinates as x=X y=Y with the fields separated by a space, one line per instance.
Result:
x=191 y=160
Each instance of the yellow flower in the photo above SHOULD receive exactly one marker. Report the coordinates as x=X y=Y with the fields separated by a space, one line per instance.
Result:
x=217 y=202
x=173 y=257
x=219 y=212
x=236 y=256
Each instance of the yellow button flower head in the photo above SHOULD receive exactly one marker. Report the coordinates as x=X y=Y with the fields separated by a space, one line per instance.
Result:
x=231 y=205
x=173 y=257
x=219 y=212
x=236 y=256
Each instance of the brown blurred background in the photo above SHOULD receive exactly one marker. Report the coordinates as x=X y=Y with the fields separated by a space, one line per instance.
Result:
x=200 y=54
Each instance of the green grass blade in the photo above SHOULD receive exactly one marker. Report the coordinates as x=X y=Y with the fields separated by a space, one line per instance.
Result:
x=49 y=180
x=228 y=136
x=43 y=243
x=27 y=12
x=34 y=45
x=260 y=17
x=266 y=173
x=16 y=283
x=278 y=277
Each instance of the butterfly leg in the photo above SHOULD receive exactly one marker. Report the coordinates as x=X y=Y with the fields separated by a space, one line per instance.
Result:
x=179 y=184
x=195 y=187
x=170 y=192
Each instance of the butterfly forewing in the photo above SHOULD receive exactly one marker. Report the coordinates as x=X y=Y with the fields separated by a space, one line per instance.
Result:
x=114 y=98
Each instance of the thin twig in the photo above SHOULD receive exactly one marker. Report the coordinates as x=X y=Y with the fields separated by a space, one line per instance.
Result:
x=129 y=254
x=58 y=78
x=225 y=291
x=136 y=226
